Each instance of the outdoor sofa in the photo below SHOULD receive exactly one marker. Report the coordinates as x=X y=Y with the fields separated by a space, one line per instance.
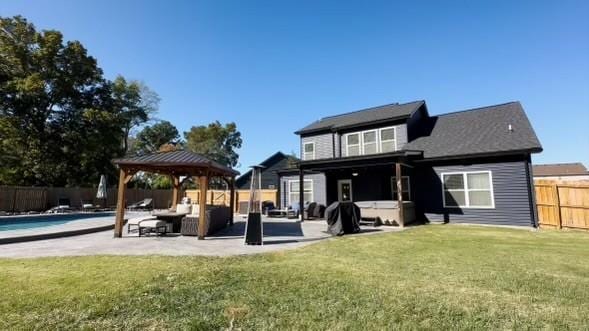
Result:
x=217 y=219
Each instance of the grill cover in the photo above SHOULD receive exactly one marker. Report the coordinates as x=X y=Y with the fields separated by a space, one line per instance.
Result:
x=343 y=218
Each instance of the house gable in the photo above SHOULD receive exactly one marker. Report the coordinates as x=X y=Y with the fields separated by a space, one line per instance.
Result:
x=270 y=178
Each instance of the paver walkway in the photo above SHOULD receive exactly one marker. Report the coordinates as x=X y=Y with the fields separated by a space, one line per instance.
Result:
x=279 y=234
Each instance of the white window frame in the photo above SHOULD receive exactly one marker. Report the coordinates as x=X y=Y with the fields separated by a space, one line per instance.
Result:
x=467 y=190
x=298 y=193
x=305 y=153
x=359 y=144
x=394 y=187
x=378 y=141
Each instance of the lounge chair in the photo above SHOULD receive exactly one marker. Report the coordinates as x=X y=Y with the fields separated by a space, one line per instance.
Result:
x=145 y=204
x=88 y=205
x=63 y=205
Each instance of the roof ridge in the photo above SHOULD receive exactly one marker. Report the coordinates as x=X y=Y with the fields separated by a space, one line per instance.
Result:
x=555 y=164
x=370 y=108
x=477 y=108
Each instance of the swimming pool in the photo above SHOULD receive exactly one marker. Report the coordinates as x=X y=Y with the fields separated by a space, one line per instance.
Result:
x=38 y=221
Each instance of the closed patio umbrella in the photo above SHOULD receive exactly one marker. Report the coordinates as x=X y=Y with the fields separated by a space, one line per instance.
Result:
x=101 y=194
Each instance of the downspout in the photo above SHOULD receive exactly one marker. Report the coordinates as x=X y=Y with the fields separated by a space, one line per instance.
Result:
x=333 y=143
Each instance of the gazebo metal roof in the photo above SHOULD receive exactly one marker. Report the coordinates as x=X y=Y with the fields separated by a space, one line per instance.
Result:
x=175 y=162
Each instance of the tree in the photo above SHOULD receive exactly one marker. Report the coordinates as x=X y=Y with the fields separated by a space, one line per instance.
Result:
x=61 y=121
x=216 y=142
x=136 y=103
x=46 y=86
x=152 y=138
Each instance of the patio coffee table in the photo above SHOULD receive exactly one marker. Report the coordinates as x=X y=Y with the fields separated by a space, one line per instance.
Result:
x=172 y=217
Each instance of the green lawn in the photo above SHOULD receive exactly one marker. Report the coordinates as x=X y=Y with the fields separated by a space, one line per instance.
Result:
x=434 y=276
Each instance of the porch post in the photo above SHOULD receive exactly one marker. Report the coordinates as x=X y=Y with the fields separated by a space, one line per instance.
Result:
x=231 y=199
x=120 y=215
x=302 y=194
x=399 y=178
x=202 y=213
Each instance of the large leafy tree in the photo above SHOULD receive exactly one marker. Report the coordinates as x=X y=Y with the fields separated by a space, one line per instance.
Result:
x=61 y=121
x=136 y=102
x=215 y=141
x=152 y=138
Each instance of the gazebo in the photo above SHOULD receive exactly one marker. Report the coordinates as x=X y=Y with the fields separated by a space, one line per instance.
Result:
x=174 y=164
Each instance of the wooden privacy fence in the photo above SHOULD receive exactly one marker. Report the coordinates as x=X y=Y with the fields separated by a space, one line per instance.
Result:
x=221 y=197
x=562 y=204
x=22 y=198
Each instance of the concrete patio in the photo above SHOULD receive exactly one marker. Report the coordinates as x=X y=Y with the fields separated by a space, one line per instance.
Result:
x=279 y=234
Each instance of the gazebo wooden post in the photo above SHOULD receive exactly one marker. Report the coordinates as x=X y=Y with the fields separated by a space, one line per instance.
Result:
x=120 y=215
x=399 y=178
x=231 y=199
x=202 y=218
x=175 y=191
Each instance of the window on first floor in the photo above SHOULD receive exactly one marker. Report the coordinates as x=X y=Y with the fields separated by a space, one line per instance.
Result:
x=471 y=189
x=406 y=188
x=293 y=191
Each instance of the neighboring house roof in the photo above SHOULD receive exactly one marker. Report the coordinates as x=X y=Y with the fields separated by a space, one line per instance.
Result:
x=365 y=116
x=175 y=159
x=266 y=163
x=560 y=169
x=479 y=131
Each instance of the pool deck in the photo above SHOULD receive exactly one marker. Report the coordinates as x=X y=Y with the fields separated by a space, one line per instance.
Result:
x=93 y=224
x=279 y=234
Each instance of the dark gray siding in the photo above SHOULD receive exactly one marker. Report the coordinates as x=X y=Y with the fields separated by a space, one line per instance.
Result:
x=415 y=124
x=270 y=178
x=323 y=145
x=318 y=188
x=510 y=187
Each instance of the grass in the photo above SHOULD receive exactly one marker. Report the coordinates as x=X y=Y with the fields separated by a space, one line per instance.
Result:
x=440 y=277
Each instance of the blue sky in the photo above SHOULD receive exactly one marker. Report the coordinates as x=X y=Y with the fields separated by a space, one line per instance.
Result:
x=275 y=66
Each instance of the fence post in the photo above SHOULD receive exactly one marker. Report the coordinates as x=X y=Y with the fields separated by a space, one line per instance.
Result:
x=557 y=204
x=14 y=199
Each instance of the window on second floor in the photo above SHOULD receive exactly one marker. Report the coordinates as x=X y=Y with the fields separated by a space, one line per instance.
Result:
x=369 y=145
x=353 y=144
x=388 y=142
x=309 y=151
x=371 y=141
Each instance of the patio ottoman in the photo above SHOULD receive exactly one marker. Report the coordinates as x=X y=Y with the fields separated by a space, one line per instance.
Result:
x=157 y=226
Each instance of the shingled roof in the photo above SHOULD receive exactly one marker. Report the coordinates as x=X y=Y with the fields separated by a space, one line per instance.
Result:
x=180 y=159
x=494 y=129
x=560 y=169
x=370 y=115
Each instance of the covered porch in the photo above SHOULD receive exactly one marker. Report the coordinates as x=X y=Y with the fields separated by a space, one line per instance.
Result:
x=373 y=182
x=174 y=164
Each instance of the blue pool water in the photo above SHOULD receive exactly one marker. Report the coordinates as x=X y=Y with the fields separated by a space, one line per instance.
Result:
x=37 y=221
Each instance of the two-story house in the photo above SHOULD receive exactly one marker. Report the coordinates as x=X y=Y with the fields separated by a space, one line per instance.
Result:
x=471 y=166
